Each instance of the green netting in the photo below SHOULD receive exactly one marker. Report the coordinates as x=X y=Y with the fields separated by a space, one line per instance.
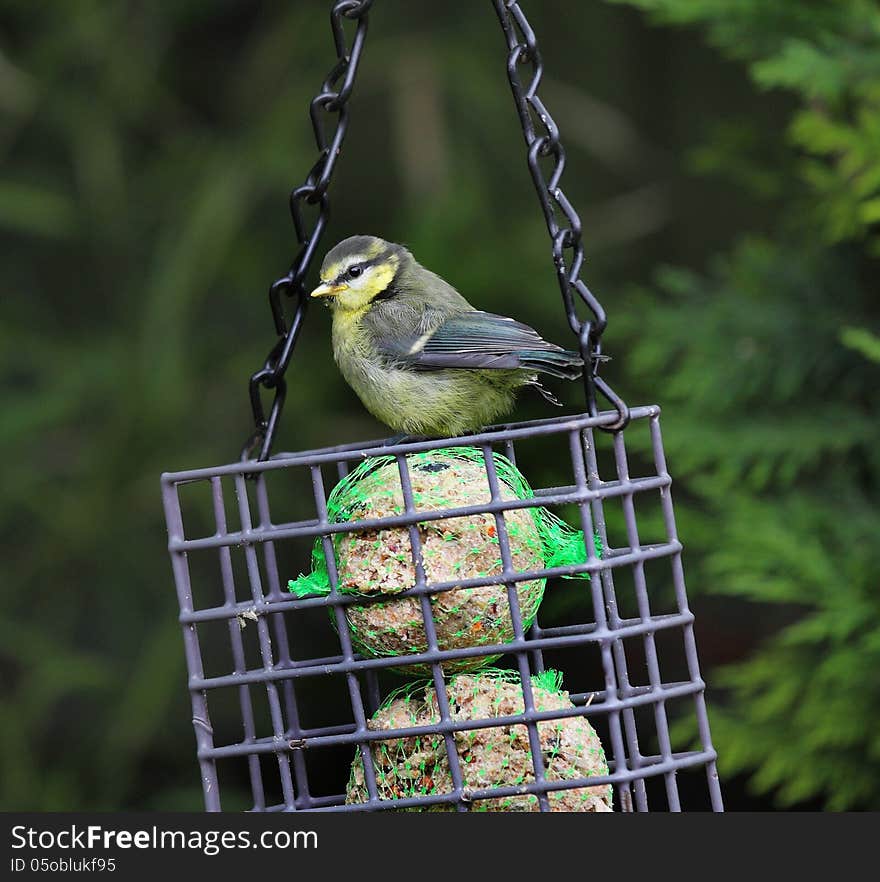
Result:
x=499 y=756
x=379 y=562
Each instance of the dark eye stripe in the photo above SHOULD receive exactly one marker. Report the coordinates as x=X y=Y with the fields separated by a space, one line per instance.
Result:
x=365 y=265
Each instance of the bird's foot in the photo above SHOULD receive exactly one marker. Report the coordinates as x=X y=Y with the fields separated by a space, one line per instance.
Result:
x=546 y=394
x=405 y=439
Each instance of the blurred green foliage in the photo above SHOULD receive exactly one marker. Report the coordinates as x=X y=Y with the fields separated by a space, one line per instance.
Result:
x=147 y=152
x=772 y=371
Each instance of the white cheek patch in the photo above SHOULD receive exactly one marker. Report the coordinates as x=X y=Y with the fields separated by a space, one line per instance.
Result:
x=363 y=280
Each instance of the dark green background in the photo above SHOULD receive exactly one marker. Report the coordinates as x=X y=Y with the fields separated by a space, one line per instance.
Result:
x=147 y=152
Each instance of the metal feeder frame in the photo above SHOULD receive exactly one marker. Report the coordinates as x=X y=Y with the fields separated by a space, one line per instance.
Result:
x=268 y=604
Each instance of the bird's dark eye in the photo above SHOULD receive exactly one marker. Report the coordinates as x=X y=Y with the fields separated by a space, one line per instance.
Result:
x=355 y=270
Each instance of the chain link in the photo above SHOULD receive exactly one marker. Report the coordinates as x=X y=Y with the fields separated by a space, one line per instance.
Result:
x=563 y=222
x=543 y=149
x=330 y=102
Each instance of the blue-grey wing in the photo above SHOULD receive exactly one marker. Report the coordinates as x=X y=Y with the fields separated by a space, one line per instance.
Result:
x=483 y=340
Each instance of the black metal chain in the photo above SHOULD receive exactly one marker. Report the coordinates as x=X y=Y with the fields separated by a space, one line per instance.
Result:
x=330 y=101
x=542 y=140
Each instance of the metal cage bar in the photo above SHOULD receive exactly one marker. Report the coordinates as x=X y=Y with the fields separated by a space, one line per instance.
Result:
x=613 y=701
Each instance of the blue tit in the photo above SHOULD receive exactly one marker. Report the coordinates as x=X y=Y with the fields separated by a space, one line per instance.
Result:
x=419 y=356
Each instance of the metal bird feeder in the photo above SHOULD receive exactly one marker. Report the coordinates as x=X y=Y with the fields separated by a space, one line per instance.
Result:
x=249 y=641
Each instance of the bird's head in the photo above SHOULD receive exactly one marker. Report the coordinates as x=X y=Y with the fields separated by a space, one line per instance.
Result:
x=359 y=270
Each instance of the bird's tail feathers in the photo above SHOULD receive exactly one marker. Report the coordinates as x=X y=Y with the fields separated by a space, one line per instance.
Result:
x=564 y=363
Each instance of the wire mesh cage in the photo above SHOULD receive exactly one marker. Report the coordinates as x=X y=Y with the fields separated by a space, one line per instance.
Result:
x=578 y=716
x=629 y=709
